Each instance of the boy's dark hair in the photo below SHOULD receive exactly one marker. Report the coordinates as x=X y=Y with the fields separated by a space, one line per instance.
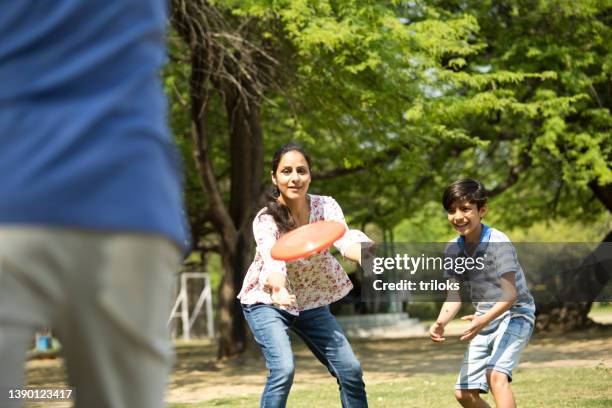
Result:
x=468 y=190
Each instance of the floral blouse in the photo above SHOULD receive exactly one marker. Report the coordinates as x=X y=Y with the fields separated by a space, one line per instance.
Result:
x=315 y=281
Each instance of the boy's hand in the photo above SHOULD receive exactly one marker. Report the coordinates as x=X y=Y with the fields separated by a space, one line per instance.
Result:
x=477 y=325
x=436 y=331
x=281 y=296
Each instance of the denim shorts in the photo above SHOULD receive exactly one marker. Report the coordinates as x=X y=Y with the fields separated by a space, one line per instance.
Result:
x=496 y=348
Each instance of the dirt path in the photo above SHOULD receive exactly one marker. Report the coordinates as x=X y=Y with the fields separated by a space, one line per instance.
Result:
x=198 y=377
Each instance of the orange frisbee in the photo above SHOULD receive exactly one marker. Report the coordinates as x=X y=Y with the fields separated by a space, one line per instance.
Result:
x=307 y=240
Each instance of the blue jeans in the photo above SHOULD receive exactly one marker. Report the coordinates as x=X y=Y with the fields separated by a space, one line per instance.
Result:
x=322 y=334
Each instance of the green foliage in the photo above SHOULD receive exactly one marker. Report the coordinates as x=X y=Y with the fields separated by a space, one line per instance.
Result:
x=563 y=231
x=404 y=97
x=428 y=224
x=558 y=125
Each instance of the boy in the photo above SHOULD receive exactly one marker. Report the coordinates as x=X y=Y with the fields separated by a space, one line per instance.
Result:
x=505 y=310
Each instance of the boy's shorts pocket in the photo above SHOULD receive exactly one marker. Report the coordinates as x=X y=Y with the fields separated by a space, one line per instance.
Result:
x=520 y=327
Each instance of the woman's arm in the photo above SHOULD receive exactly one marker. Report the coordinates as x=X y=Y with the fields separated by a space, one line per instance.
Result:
x=273 y=275
x=349 y=244
x=277 y=284
x=353 y=252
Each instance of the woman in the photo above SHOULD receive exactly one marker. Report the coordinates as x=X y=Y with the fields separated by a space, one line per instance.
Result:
x=278 y=296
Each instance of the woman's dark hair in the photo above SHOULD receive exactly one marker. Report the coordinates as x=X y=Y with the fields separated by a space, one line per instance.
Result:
x=278 y=211
x=468 y=190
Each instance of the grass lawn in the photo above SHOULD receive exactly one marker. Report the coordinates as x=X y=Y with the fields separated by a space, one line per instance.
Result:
x=601 y=313
x=557 y=370
x=534 y=387
x=601 y=309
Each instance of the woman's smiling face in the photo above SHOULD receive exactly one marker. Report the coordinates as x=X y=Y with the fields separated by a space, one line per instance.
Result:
x=292 y=176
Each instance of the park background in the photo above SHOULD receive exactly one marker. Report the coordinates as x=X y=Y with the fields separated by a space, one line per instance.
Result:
x=393 y=100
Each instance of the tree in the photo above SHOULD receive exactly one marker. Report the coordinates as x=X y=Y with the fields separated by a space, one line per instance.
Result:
x=325 y=73
x=570 y=141
x=393 y=100
x=553 y=162
x=224 y=63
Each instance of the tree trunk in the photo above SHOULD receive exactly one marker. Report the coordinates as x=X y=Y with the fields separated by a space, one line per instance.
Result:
x=567 y=316
x=246 y=154
x=587 y=283
x=232 y=70
x=603 y=193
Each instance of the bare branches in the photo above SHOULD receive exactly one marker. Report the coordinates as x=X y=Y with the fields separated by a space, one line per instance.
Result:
x=226 y=56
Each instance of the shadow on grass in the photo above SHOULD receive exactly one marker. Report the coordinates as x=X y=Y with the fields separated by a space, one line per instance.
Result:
x=197 y=375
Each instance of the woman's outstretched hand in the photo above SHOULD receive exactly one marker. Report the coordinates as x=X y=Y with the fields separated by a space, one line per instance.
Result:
x=281 y=297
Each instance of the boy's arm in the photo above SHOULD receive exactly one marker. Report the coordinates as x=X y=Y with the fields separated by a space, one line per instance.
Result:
x=449 y=309
x=508 y=297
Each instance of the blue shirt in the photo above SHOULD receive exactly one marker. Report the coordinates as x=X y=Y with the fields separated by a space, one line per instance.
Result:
x=485 y=284
x=83 y=135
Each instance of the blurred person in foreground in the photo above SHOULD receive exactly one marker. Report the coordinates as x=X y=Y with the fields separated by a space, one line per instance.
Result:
x=91 y=220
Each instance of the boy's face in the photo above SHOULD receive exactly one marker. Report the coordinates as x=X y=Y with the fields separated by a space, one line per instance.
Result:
x=465 y=218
